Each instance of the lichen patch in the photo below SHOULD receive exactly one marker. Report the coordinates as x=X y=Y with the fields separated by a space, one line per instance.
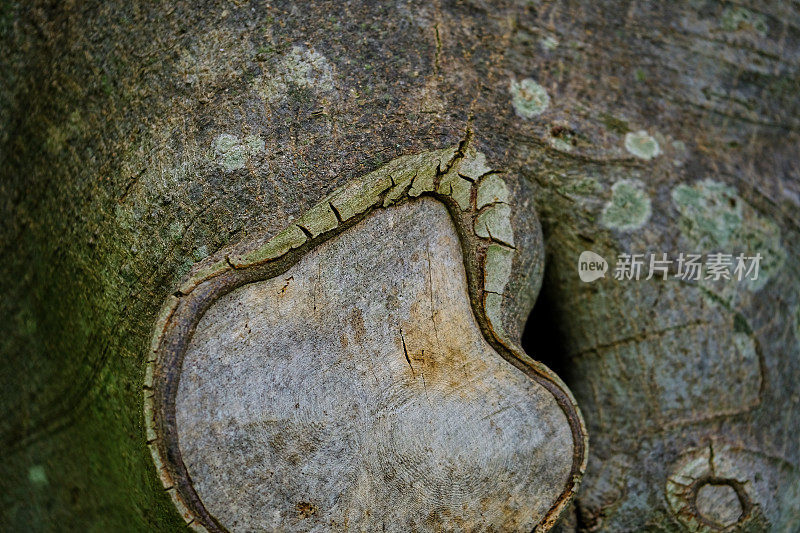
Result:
x=233 y=153
x=492 y=189
x=713 y=217
x=37 y=475
x=642 y=145
x=473 y=165
x=495 y=223
x=497 y=268
x=528 y=98
x=300 y=67
x=629 y=208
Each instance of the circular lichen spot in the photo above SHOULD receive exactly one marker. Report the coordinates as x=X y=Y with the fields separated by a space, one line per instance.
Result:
x=200 y=253
x=225 y=142
x=300 y=68
x=629 y=207
x=560 y=144
x=234 y=158
x=642 y=145
x=253 y=144
x=233 y=153
x=529 y=98
x=37 y=475
x=307 y=68
x=719 y=504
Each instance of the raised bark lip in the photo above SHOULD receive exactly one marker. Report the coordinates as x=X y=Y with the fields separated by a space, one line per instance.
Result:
x=741 y=495
x=183 y=311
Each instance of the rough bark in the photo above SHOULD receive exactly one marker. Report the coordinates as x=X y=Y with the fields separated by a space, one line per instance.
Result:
x=139 y=140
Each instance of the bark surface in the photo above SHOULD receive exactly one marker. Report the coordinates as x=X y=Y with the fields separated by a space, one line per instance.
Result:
x=138 y=140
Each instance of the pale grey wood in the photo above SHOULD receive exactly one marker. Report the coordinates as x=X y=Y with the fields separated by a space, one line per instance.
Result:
x=356 y=391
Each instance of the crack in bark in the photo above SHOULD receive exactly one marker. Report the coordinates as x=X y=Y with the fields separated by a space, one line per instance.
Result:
x=405 y=352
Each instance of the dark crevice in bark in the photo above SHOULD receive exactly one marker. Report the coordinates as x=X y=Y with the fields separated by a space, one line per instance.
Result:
x=543 y=338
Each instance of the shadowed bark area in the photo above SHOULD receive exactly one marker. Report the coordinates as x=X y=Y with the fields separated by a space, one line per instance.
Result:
x=137 y=140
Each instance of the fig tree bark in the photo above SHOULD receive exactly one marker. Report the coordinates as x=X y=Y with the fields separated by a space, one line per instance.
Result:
x=268 y=265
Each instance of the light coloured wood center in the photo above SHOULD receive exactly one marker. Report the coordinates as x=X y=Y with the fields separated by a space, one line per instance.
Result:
x=357 y=392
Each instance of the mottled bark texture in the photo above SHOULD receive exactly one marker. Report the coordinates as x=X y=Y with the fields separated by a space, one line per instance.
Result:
x=139 y=139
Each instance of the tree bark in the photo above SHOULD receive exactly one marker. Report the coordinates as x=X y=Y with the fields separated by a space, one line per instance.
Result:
x=145 y=146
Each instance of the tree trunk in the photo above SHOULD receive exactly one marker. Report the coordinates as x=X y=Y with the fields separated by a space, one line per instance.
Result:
x=267 y=266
